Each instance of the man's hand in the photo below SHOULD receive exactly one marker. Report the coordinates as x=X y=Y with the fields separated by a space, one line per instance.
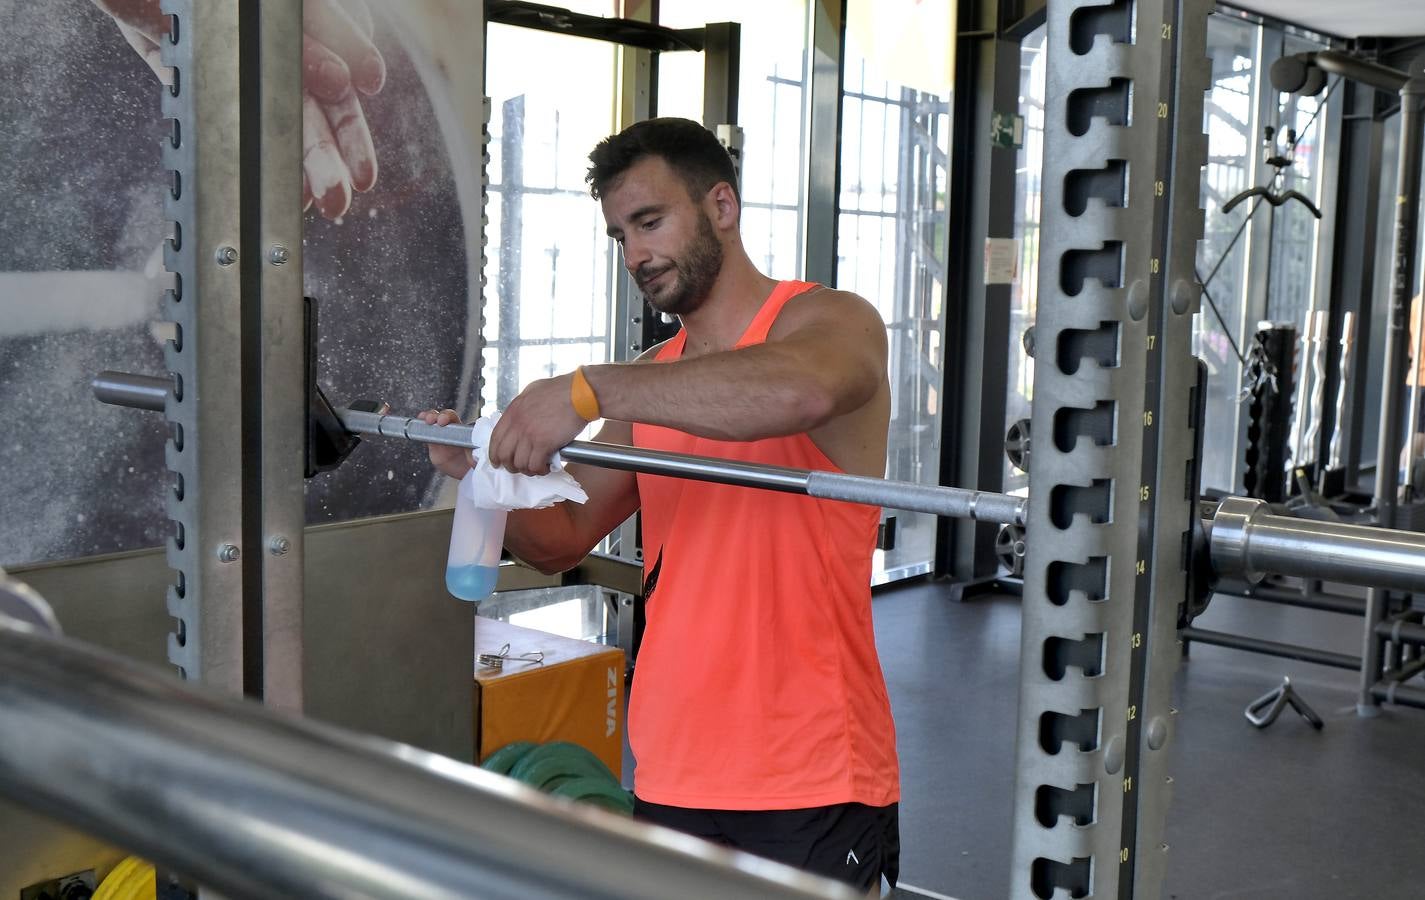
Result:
x=453 y=461
x=537 y=423
x=339 y=63
x=338 y=155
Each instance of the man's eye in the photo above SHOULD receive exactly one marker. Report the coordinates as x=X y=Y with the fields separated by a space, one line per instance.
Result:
x=651 y=224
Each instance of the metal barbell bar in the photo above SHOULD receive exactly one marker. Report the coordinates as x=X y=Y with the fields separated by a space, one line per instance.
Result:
x=983 y=506
x=253 y=803
x=1243 y=536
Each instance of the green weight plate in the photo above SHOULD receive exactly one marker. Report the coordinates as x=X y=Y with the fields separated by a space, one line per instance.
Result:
x=504 y=759
x=596 y=792
x=559 y=758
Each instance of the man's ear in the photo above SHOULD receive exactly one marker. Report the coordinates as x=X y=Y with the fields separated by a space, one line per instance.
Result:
x=725 y=209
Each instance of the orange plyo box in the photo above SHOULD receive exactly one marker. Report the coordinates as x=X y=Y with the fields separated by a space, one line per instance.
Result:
x=575 y=694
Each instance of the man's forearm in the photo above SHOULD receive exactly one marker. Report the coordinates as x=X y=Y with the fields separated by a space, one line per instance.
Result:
x=542 y=538
x=741 y=395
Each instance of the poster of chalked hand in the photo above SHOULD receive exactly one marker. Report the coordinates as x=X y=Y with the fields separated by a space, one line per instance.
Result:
x=392 y=134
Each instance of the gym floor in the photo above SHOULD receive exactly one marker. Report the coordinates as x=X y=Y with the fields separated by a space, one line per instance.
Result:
x=1284 y=811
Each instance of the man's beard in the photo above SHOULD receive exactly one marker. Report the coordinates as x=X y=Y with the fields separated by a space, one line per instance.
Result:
x=696 y=271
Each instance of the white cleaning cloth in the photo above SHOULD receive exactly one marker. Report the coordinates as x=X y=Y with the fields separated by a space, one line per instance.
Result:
x=494 y=488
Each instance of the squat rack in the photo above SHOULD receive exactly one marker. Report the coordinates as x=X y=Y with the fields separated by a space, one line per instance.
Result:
x=1102 y=598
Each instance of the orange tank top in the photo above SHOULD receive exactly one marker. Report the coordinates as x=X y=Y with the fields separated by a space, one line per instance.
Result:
x=758 y=684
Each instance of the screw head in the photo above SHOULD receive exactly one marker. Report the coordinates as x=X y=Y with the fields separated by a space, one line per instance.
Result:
x=229 y=553
x=279 y=255
x=279 y=545
x=226 y=256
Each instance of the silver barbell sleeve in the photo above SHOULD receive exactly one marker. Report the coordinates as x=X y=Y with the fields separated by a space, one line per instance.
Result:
x=1247 y=540
x=957 y=503
x=256 y=804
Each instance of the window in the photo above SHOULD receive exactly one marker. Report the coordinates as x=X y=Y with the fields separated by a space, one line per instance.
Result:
x=892 y=246
x=1222 y=328
x=772 y=94
x=549 y=265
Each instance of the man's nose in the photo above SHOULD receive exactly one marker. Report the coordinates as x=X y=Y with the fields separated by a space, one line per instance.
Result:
x=634 y=255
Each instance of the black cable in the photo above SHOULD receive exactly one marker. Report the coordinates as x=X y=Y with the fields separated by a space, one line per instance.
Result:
x=1320 y=106
x=1223 y=322
x=1232 y=243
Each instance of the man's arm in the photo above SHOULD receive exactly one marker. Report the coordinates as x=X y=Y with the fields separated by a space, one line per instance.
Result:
x=825 y=357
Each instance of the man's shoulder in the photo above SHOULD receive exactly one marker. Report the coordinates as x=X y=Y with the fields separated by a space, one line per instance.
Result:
x=823 y=304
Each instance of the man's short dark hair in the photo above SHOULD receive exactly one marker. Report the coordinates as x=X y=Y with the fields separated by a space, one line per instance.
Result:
x=692 y=151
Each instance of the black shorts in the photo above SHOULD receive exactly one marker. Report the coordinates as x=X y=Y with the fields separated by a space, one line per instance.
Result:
x=849 y=842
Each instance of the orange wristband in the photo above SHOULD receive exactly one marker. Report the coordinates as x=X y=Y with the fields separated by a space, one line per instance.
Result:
x=582 y=396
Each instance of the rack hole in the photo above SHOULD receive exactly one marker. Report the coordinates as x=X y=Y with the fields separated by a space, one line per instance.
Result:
x=1113 y=103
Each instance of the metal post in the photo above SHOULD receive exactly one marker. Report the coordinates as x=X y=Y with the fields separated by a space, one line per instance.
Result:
x=1272 y=648
x=1377 y=76
x=977 y=312
x=826 y=43
x=1109 y=510
x=636 y=325
x=722 y=73
x=204 y=357
x=1353 y=277
x=1402 y=285
x=1412 y=402
x=273 y=229
x=511 y=247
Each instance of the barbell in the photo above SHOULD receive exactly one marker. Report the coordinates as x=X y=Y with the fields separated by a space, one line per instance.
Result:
x=1243 y=537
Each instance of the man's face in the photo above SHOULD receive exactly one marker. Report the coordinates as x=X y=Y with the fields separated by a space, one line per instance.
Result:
x=669 y=244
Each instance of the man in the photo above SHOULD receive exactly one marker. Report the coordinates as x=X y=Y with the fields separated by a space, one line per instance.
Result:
x=760 y=717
